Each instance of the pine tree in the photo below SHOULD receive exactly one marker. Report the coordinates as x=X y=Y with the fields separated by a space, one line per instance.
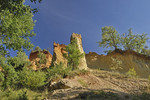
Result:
x=110 y=38
x=73 y=56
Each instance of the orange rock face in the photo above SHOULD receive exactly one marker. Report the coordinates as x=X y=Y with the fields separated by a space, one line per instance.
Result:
x=34 y=59
x=1 y=69
x=129 y=59
x=59 y=51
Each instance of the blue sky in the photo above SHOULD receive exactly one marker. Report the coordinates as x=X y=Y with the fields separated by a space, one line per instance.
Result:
x=58 y=19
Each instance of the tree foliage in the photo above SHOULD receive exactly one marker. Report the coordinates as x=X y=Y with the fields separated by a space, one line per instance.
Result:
x=19 y=61
x=41 y=55
x=73 y=54
x=16 y=25
x=9 y=76
x=32 y=79
x=10 y=67
x=134 y=42
x=43 y=59
x=146 y=51
x=127 y=41
x=110 y=37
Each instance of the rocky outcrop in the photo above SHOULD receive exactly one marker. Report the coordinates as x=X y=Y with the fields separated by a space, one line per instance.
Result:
x=64 y=84
x=128 y=59
x=78 y=38
x=58 y=54
x=1 y=69
x=35 y=59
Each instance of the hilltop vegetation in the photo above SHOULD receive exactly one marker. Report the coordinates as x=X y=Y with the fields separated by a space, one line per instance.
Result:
x=126 y=41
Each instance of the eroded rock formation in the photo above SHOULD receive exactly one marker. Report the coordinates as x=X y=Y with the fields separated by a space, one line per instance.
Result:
x=58 y=54
x=78 y=38
x=1 y=69
x=34 y=59
x=129 y=60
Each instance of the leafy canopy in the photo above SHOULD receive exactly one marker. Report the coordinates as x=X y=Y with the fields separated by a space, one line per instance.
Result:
x=134 y=42
x=110 y=37
x=16 y=25
x=127 y=41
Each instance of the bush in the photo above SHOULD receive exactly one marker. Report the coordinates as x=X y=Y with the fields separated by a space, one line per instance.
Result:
x=131 y=72
x=32 y=79
x=23 y=96
x=57 y=71
x=116 y=64
x=43 y=59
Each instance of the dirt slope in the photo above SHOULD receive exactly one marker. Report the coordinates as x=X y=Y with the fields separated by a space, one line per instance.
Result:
x=102 y=85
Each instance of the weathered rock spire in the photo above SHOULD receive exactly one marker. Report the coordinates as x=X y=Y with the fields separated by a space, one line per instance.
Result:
x=59 y=50
x=78 y=38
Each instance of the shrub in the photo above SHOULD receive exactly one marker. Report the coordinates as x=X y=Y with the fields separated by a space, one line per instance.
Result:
x=131 y=72
x=57 y=71
x=42 y=57
x=32 y=79
x=23 y=96
x=116 y=64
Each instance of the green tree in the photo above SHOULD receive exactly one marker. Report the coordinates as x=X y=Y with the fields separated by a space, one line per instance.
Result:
x=110 y=38
x=11 y=65
x=9 y=75
x=128 y=41
x=73 y=54
x=140 y=44
x=16 y=25
x=19 y=61
x=146 y=51
x=134 y=42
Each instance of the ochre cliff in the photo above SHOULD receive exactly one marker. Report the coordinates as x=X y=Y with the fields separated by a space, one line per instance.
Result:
x=59 y=51
x=34 y=59
x=129 y=59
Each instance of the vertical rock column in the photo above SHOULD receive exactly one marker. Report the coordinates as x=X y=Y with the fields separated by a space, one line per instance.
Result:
x=82 y=63
x=58 y=55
